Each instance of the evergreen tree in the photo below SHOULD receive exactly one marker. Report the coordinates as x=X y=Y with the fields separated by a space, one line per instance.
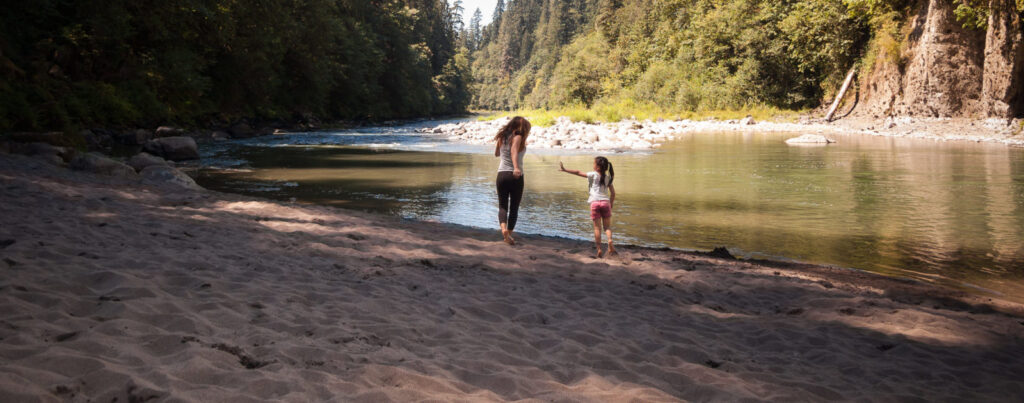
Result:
x=499 y=9
x=475 y=36
x=455 y=16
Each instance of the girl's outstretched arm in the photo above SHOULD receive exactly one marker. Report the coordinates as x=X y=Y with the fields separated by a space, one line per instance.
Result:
x=561 y=167
x=611 y=190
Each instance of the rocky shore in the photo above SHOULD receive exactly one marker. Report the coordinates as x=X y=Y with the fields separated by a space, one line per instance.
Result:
x=632 y=135
x=158 y=161
x=176 y=145
x=164 y=154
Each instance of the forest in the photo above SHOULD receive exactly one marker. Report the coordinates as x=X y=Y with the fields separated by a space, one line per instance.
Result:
x=66 y=64
x=687 y=55
x=74 y=64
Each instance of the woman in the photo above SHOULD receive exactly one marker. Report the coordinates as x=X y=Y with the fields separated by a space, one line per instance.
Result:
x=511 y=141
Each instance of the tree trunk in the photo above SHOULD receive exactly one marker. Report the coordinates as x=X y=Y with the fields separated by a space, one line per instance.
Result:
x=839 y=96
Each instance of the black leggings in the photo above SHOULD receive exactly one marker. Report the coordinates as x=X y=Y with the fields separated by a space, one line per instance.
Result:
x=509 y=187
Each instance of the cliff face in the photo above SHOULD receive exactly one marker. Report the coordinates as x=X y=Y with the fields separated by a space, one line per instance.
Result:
x=950 y=71
x=1002 y=95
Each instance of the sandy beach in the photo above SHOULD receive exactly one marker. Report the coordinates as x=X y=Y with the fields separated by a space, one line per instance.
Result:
x=117 y=291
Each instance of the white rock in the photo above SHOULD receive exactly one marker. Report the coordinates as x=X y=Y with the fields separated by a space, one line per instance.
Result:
x=810 y=139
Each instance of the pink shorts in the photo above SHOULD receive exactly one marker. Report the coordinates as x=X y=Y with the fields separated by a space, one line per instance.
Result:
x=600 y=209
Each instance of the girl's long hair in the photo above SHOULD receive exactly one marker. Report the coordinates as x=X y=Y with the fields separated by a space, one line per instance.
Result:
x=603 y=165
x=518 y=126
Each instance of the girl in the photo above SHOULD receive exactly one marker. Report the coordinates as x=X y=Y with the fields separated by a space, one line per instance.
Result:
x=510 y=146
x=602 y=198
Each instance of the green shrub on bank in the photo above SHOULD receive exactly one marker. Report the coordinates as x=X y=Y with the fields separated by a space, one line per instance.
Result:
x=628 y=109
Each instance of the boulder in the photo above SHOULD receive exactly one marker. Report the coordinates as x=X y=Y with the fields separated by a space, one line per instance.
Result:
x=163 y=175
x=749 y=120
x=220 y=136
x=810 y=139
x=177 y=148
x=278 y=132
x=100 y=164
x=242 y=130
x=167 y=131
x=35 y=149
x=143 y=160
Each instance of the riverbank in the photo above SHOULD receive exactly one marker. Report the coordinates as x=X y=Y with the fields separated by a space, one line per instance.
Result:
x=116 y=289
x=634 y=135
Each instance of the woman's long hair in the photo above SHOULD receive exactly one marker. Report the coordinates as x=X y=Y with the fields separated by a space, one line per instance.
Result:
x=518 y=126
x=603 y=165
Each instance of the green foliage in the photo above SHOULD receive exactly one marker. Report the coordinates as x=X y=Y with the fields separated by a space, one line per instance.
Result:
x=681 y=55
x=972 y=14
x=582 y=75
x=628 y=109
x=117 y=62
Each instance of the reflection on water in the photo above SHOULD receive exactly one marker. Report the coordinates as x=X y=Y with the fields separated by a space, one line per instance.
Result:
x=942 y=212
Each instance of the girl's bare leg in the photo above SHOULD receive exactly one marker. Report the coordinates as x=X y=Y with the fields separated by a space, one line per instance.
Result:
x=607 y=221
x=597 y=237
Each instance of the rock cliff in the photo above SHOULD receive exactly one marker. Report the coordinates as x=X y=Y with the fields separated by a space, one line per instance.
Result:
x=946 y=70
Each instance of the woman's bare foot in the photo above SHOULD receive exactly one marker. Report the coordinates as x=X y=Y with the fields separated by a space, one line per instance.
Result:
x=507 y=235
x=611 y=251
x=600 y=253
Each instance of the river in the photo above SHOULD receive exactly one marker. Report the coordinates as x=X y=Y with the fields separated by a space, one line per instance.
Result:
x=943 y=212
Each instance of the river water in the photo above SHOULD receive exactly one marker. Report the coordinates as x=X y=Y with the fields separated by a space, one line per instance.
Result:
x=944 y=212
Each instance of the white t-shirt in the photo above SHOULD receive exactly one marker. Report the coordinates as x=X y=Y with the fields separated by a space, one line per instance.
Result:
x=598 y=191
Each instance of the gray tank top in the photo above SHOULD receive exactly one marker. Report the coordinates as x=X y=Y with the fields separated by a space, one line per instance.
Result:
x=506 y=157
